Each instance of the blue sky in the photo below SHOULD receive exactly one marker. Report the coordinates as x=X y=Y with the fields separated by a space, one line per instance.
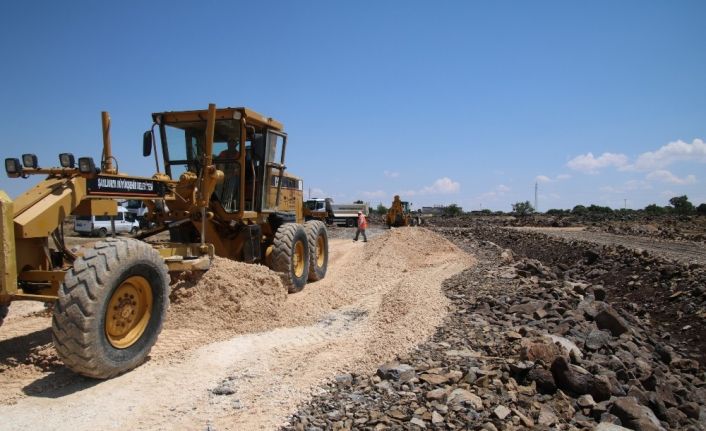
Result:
x=442 y=102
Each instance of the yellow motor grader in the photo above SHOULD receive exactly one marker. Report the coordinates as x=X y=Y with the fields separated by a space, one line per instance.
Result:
x=223 y=191
x=400 y=214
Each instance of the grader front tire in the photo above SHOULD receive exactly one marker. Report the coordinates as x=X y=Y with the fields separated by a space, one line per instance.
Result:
x=318 y=249
x=290 y=255
x=111 y=308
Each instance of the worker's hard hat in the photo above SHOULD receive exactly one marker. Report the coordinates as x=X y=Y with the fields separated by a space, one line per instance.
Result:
x=360 y=212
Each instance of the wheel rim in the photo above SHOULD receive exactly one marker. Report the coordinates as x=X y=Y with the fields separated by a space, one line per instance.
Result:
x=320 y=252
x=129 y=311
x=298 y=259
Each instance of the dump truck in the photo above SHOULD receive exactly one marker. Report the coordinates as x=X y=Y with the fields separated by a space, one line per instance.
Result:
x=400 y=214
x=324 y=209
x=223 y=192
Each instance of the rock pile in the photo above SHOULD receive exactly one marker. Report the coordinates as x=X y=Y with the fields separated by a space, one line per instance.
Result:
x=674 y=229
x=526 y=344
x=667 y=294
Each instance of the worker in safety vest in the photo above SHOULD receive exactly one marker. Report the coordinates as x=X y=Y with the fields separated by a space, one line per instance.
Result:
x=362 y=225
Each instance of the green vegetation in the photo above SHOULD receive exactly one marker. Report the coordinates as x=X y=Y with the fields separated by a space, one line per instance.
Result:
x=701 y=210
x=381 y=209
x=453 y=210
x=522 y=208
x=682 y=205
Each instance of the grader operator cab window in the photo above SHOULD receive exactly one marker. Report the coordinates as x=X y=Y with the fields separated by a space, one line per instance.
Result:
x=183 y=144
x=184 y=148
x=276 y=145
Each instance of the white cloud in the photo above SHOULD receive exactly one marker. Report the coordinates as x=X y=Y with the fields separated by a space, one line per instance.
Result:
x=589 y=164
x=391 y=174
x=497 y=191
x=375 y=194
x=668 y=177
x=442 y=186
x=545 y=179
x=672 y=152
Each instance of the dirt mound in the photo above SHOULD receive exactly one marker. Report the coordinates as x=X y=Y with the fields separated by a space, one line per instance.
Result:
x=230 y=296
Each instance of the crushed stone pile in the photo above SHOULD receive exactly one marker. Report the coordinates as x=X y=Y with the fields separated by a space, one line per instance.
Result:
x=230 y=296
x=528 y=344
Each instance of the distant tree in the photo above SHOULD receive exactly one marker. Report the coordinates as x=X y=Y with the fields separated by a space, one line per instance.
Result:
x=701 y=209
x=556 y=212
x=453 y=210
x=597 y=209
x=522 y=208
x=654 y=209
x=579 y=210
x=682 y=205
x=358 y=202
x=381 y=209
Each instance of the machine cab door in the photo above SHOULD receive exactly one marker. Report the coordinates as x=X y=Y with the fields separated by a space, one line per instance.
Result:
x=276 y=144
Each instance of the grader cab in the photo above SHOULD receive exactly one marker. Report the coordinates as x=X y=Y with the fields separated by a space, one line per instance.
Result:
x=223 y=191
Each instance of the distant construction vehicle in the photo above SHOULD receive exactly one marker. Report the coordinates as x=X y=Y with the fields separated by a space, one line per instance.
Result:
x=400 y=214
x=324 y=209
x=223 y=192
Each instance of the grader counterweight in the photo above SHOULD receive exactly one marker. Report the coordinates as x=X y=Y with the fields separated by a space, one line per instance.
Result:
x=224 y=191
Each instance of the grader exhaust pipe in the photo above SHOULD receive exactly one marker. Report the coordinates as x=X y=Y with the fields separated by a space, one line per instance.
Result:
x=107 y=159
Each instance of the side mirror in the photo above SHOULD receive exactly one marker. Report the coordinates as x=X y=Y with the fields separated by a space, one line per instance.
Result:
x=147 y=143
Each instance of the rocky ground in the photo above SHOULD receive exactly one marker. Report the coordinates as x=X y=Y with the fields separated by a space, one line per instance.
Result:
x=545 y=333
x=690 y=228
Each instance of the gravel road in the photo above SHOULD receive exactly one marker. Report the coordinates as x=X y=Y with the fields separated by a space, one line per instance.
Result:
x=378 y=300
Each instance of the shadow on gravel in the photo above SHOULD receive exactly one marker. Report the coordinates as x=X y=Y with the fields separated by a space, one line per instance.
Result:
x=36 y=353
x=20 y=350
x=58 y=384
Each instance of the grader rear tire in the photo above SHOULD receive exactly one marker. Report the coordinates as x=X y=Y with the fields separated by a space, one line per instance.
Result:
x=290 y=255
x=111 y=308
x=318 y=249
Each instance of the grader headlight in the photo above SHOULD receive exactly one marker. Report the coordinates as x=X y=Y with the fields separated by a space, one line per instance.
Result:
x=13 y=167
x=67 y=160
x=86 y=165
x=30 y=161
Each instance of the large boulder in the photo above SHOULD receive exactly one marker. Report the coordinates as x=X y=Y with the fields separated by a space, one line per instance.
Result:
x=608 y=318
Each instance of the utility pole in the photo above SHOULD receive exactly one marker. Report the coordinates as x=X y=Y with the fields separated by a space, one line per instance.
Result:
x=626 y=203
x=536 y=186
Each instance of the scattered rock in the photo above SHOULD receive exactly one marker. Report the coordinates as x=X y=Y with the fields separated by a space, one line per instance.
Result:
x=459 y=396
x=396 y=371
x=634 y=415
x=608 y=318
x=501 y=412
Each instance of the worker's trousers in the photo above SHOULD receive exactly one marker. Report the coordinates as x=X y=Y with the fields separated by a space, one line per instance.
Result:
x=358 y=232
